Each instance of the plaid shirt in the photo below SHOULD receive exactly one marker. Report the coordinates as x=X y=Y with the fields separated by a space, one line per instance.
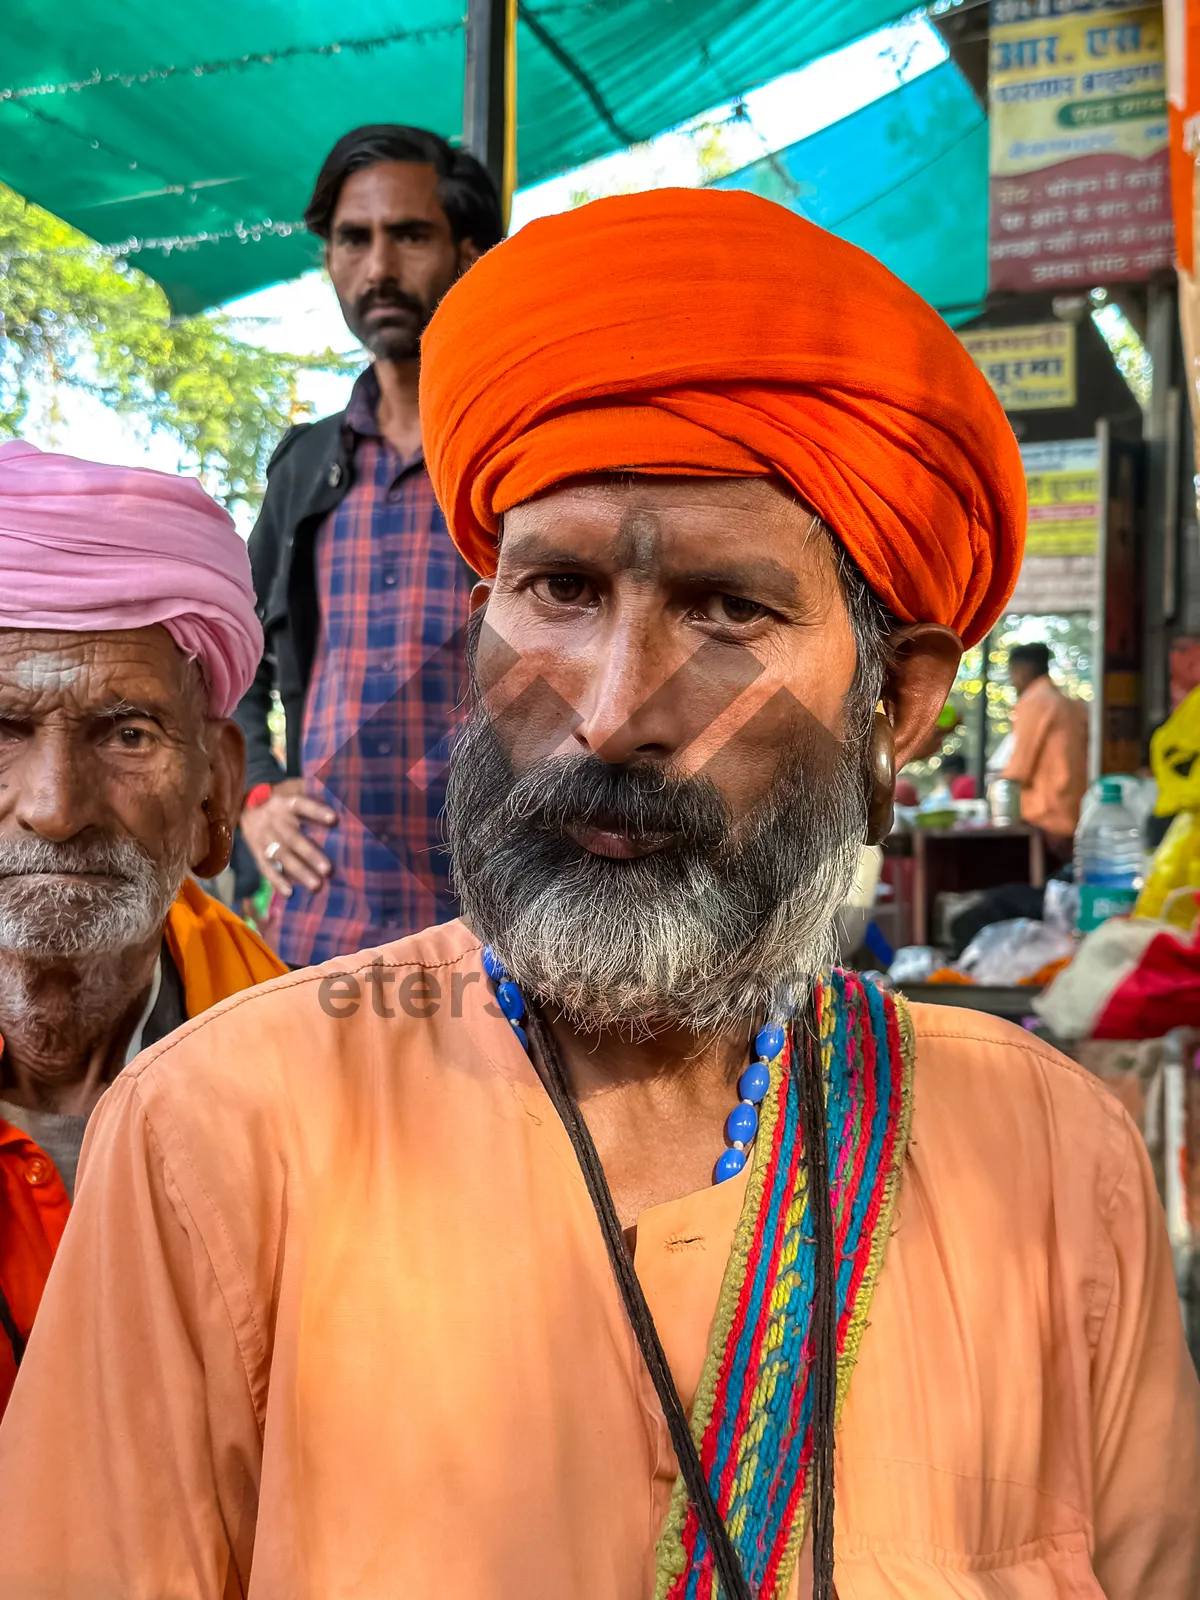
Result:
x=386 y=690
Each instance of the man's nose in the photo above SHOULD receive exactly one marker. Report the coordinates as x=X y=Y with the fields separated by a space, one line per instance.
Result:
x=381 y=259
x=642 y=702
x=56 y=794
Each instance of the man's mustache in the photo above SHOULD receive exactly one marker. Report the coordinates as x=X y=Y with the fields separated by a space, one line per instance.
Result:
x=99 y=857
x=391 y=297
x=562 y=793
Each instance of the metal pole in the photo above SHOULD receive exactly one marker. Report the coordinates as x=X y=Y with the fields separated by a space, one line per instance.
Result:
x=489 y=91
x=984 y=674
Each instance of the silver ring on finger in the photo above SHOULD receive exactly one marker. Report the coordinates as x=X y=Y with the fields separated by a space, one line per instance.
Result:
x=272 y=852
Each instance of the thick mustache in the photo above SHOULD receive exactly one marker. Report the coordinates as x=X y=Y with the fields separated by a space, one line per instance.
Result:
x=393 y=299
x=558 y=794
x=39 y=857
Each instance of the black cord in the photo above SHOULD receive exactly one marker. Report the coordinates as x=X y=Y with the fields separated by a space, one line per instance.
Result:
x=545 y=1056
x=823 y=1324
x=9 y=1325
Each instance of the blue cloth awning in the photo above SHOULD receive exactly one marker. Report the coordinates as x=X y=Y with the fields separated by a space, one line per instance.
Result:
x=906 y=178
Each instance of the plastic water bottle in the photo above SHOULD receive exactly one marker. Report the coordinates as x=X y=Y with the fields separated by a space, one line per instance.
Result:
x=1108 y=858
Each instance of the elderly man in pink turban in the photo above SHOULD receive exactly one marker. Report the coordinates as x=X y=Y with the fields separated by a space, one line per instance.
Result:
x=127 y=635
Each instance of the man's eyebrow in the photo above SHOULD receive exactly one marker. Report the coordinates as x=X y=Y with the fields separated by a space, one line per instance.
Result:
x=770 y=579
x=123 y=710
x=765 y=578
x=394 y=224
x=536 y=549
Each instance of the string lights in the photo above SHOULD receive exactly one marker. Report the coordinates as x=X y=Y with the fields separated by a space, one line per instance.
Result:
x=246 y=232
x=203 y=69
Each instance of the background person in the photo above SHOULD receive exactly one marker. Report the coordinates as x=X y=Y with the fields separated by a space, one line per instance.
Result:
x=1049 y=756
x=361 y=592
x=954 y=770
x=127 y=633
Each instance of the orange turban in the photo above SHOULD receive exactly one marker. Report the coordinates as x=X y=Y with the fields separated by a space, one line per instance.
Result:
x=710 y=332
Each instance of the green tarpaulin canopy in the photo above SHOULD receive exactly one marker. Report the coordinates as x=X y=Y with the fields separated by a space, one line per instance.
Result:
x=905 y=178
x=168 y=119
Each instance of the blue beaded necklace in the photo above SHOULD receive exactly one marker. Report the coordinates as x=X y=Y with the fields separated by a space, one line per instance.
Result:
x=741 y=1125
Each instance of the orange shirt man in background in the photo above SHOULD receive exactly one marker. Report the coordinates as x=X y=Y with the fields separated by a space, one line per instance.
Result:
x=361 y=1293
x=1050 y=748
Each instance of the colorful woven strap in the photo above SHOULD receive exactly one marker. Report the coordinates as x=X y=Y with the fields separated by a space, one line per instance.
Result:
x=752 y=1415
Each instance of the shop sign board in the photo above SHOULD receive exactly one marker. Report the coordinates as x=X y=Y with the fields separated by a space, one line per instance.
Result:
x=1060 y=571
x=1079 y=185
x=1031 y=368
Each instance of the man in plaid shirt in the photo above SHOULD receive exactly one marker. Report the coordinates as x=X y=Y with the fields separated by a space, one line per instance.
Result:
x=362 y=596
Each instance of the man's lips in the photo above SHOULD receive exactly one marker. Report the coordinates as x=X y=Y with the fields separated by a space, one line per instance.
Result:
x=386 y=311
x=616 y=844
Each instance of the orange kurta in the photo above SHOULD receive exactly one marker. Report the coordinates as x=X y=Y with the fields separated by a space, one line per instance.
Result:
x=333 y=1319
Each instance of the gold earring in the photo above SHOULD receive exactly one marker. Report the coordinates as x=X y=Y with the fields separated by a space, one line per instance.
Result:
x=883 y=780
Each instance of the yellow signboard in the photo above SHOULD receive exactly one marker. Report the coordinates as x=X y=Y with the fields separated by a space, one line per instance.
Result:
x=1064 y=498
x=1085 y=81
x=1061 y=569
x=1078 y=163
x=1031 y=368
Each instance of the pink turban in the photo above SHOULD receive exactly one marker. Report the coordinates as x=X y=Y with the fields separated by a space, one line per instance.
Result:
x=87 y=548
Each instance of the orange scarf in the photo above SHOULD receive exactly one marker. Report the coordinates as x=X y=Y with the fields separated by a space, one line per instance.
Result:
x=215 y=952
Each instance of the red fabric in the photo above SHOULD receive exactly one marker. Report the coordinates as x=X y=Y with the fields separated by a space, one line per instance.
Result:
x=33 y=1213
x=1162 y=992
x=963 y=787
x=711 y=332
x=1180 y=112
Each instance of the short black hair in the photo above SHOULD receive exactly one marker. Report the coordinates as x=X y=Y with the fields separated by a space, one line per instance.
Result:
x=467 y=194
x=955 y=762
x=1036 y=656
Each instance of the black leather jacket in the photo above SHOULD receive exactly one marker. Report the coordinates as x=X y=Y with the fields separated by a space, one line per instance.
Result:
x=308 y=476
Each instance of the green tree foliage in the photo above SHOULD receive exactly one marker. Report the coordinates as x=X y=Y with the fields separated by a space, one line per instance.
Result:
x=73 y=314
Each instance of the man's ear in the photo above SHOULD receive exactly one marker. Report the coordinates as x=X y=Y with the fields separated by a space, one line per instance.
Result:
x=480 y=593
x=222 y=804
x=925 y=657
x=468 y=254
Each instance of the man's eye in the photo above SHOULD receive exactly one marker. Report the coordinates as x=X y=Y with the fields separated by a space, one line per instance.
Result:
x=132 y=738
x=564 y=588
x=734 y=608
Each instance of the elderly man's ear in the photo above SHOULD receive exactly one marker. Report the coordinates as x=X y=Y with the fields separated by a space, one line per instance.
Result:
x=925 y=657
x=222 y=802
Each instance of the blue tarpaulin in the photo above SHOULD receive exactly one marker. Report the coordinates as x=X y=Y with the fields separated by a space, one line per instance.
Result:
x=905 y=178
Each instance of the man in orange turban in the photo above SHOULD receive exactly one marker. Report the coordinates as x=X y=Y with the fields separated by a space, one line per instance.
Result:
x=548 y=1253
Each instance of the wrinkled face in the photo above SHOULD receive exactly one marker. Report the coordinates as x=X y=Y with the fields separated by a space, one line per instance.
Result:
x=103 y=773
x=391 y=256
x=656 y=810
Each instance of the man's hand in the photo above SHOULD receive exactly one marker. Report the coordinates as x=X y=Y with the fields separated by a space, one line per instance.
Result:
x=284 y=852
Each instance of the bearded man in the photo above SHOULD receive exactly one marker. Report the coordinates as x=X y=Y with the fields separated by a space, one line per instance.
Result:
x=412 y=1276
x=127 y=633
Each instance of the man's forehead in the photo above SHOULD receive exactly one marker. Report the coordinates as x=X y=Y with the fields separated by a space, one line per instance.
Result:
x=391 y=189
x=671 y=527
x=92 y=667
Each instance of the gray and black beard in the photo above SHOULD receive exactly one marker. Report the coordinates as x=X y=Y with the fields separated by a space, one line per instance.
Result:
x=122 y=900
x=728 y=921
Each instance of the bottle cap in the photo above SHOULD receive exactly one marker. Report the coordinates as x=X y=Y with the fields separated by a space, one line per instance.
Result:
x=1110 y=792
